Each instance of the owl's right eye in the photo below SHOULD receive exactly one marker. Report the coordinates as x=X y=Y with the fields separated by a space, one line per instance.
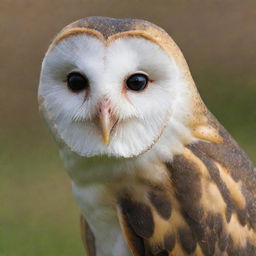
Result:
x=77 y=82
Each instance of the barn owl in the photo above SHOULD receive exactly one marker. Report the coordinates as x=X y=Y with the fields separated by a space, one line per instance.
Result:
x=154 y=173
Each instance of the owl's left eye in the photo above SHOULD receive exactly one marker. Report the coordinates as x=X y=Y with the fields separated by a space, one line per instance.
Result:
x=77 y=82
x=137 y=82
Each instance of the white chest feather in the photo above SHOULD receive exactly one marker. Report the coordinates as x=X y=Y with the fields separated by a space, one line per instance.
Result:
x=101 y=216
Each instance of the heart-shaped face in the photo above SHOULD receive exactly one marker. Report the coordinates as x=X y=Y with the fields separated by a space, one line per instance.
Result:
x=110 y=96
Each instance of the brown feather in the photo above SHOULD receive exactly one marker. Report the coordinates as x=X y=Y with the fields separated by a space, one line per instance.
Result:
x=207 y=208
x=87 y=237
x=218 y=197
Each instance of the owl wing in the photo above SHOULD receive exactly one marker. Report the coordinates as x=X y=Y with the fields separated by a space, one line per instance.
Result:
x=87 y=237
x=206 y=208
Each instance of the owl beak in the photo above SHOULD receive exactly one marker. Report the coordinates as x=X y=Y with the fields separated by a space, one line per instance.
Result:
x=106 y=121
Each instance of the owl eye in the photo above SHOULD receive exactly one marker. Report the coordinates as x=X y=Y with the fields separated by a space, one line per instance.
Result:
x=137 y=82
x=77 y=82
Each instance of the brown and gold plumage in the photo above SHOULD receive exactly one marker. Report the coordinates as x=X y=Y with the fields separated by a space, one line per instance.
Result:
x=199 y=200
x=208 y=206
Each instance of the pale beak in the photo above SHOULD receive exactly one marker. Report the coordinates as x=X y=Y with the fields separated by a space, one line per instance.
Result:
x=106 y=121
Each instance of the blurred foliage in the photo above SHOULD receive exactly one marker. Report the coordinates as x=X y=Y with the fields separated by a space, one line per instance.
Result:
x=38 y=215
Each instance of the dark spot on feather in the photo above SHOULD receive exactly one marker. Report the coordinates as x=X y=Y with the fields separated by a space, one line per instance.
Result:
x=218 y=223
x=228 y=214
x=211 y=233
x=185 y=177
x=162 y=253
x=169 y=242
x=251 y=248
x=250 y=205
x=187 y=239
x=87 y=237
x=242 y=216
x=162 y=203
x=196 y=212
x=187 y=184
x=211 y=240
x=106 y=26
x=237 y=250
x=197 y=227
x=215 y=175
x=153 y=248
x=210 y=220
x=139 y=216
x=206 y=238
x=223 y=240
x=136 y=241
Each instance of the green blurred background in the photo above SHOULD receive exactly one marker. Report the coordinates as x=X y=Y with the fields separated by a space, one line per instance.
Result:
x=38 y=215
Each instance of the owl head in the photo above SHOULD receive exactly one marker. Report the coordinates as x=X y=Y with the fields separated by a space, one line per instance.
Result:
x=114 y=86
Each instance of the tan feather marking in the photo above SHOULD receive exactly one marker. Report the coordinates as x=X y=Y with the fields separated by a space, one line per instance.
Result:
x=155 y=174
x=210 y=191
x=233 y=187
x=188 y=154
x=163 y=227
x=239 y=233
x=134 y=33
x=78 y=31
x=198 y=251
x=212 y=199
x=75 y=31
x=208 y=133
x=166 y=227
x=178 y=251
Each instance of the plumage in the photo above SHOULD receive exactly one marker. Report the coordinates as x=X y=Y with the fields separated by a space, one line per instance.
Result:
x=154 y=172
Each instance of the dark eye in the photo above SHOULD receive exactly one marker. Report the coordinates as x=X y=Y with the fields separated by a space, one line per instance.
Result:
x=77 y=82
x=137 y=82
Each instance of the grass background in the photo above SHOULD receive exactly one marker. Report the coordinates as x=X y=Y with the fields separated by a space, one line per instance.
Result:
x=38 y=215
